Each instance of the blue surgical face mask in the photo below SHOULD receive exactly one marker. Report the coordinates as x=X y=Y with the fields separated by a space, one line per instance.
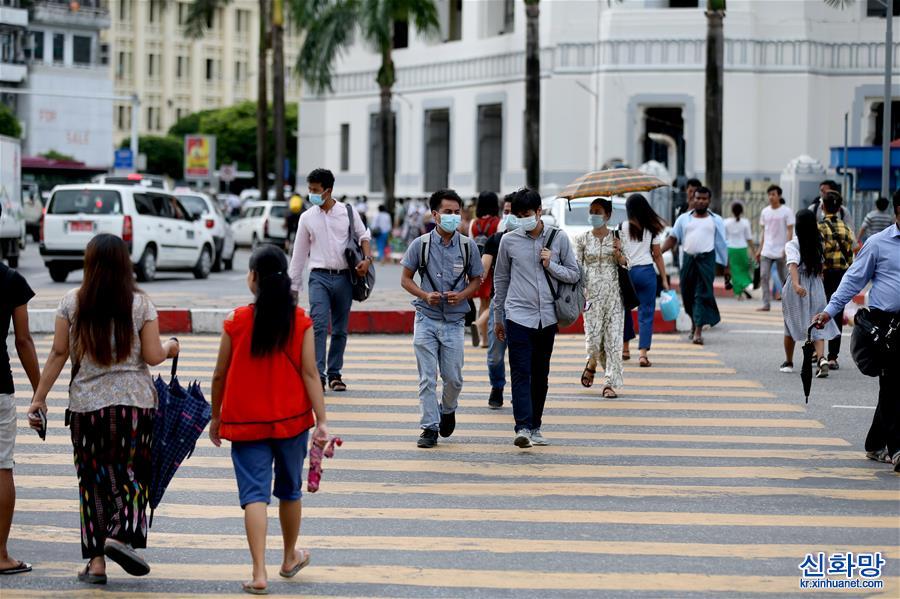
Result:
x=597 y=220
x=512 y=223
x=316 y=199
x=528 y=223
x=450 y=222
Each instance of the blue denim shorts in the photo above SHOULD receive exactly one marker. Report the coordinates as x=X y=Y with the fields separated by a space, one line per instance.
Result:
x=253 y=461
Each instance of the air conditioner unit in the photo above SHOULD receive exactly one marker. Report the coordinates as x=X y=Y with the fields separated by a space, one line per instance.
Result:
x=104 y=54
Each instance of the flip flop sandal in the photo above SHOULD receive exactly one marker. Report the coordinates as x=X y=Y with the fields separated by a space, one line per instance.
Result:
x=587 y=381
x=609 y=393
x=626 y=355
x=698 y=341
x=300 y=565
x=645 y=362
x=337 y=385
x=126 y=557
x=19 y=568
x=89 y=578
x=248 y=588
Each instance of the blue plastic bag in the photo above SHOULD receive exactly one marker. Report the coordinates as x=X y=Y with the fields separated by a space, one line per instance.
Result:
x=669 y=305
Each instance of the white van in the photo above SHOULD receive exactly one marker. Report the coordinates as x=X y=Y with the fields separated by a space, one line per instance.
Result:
x=209 y=212
x=160 y=232
x=261 y=222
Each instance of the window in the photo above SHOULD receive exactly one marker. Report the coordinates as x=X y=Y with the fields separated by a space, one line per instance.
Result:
x=37 y=46
x=152 y=67
x=210 y=69
x=490 y=146
x=104 y=54
x=454 y=21
x=874 y=8
x=144 y=205
x=125 y=10
x=210 y=20
x=123 y=117
x=684 y=4
x=242 y=21
x=401 y=34
x=878 y=111
x=345 y=146
x=59 y=41
x=437 y=149
x=183 y=8
x=123 y=65
x=237 y=71
x=182 y=67
x=509 y=16
x=81 y=49
x=664 y=137
x=153 y=10
x=376 y=151
x=161 y=205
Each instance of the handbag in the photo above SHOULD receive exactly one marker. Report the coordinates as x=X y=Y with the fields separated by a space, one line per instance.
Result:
x=362 y=286
x=568 y=299
x=626 y=287
x=875 y=339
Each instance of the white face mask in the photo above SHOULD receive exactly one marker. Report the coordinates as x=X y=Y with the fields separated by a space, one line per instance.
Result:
x=528 y=223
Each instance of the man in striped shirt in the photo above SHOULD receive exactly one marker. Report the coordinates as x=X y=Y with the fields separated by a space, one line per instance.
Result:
x=877 y=220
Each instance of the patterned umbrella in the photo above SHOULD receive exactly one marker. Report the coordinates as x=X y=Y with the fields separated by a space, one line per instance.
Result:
x=613 y=182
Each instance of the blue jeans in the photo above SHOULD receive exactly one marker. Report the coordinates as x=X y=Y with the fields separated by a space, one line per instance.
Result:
x=381 y=241
x=330 y=298
x=439 y=346
x=644 y=280
x=530 y=351
x=496 y=362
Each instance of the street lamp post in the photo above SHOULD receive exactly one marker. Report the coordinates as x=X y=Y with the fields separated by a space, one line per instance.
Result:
x=886 y=132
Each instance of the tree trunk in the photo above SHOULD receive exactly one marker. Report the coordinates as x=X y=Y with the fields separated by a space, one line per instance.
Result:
x=533 y=96
x=278 y=95
x=262 y=103
x=715 y=44
x=388 y=127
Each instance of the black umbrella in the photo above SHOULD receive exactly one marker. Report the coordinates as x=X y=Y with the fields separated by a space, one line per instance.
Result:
x=806 y=369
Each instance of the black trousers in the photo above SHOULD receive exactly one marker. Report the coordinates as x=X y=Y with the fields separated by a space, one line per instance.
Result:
x=530 y=351
x=831 y=281
x=885 y=429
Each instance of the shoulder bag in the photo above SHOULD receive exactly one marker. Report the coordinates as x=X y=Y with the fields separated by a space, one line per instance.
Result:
x=362 y=286
x=568 y=299
x=626 y=287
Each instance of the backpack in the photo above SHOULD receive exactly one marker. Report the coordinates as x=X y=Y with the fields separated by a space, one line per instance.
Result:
x=483 y=228
x=424 y=274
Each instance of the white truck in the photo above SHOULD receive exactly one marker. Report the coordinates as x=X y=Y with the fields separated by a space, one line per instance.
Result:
x=12 y=218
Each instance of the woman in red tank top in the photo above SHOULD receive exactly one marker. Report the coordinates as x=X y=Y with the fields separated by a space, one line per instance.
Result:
x=266 y=396
x=486 y=221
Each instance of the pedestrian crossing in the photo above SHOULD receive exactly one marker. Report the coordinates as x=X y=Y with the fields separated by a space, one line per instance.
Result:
x=697 y=479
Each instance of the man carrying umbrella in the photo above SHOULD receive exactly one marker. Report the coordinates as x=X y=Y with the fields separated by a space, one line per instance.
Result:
x=879 y=262
x=701 y=234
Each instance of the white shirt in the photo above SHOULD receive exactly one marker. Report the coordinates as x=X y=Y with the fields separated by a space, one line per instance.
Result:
x=792 y=252
x=699 y=235
x=383 y=222
x=737 y=232
x=638 y=252
x=321 y=239
x=775 y=234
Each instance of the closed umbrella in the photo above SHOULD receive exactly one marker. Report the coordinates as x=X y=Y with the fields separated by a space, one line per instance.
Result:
x=612 y=182
x=181 y=416
x=806 y=368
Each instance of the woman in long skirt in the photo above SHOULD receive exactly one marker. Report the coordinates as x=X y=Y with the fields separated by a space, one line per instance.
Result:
x=599 y=252
x=739 y=238
x=110 y=330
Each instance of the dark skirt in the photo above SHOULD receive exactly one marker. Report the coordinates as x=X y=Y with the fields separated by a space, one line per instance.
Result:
x=112 y=461
x=698 y=273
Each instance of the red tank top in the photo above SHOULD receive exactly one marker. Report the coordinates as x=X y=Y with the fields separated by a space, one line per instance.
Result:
x=264 y=398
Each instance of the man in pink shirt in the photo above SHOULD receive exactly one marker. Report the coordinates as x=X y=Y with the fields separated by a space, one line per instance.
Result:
x=322 y=235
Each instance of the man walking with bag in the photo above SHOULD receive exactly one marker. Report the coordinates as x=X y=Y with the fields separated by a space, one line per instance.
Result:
x=525 y=310
x=322 y=236
x=878 y=262
x=837 y=243
x=450 y=272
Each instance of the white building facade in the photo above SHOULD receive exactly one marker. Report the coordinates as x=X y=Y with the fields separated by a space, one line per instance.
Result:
x=619 y=81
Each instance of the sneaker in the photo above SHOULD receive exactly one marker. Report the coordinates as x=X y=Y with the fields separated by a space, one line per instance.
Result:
x=448 y=424
x=537 y=438
x=822 y=372
x=495 y=401
x=786 y=367
x=833 y=364
x=764 y=309
x=896 y=461
x=523 y=439
x=427 y=439
x=476 y=338
x=880 y=455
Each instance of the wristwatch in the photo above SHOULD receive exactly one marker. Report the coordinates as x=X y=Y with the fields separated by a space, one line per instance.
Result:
x=371 y=259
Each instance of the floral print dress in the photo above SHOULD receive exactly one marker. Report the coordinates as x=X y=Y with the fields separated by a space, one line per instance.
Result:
x=605 y=313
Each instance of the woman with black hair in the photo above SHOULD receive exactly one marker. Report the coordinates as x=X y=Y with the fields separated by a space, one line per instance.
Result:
x=486 y=223
x=265 y=391
x=741 y=252
x=109 y=329
x=803 y=295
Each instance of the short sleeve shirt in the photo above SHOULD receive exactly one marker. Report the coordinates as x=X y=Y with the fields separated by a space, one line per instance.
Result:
x=638 y=253
x=775 y=223
x=14 y=292
x=737 y=232
x=127 y=383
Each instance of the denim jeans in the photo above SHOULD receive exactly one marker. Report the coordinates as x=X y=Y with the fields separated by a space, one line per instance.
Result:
x=439 y=346
x=496 y=362
x=644 y=280
x=530 y=351
x=765 y=274
x=330 y=298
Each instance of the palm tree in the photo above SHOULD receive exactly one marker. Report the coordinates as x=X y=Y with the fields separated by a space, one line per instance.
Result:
x=532 y=94
x=330 y=29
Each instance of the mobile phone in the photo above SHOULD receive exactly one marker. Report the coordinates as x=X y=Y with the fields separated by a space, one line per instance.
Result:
x=42 y=431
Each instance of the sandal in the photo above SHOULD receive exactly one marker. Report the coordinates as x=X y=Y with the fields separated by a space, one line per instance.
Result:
x=645 y=362
x=587 y=376
x=609 y=393
x=19 y=568
x=698 y=340
x=306 y=556
x=248 y=588
x=89 y=578
x=626 y=355
x=126 y=557
x=337 y=385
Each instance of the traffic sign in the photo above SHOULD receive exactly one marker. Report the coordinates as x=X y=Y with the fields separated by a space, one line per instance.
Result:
x=124 y=159
x=227 y=172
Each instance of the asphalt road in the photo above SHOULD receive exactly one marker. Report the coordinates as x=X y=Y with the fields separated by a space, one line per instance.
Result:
x=708 y=477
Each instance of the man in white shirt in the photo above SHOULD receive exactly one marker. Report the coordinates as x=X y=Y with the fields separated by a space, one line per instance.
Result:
x=776 y=229
x=322 y=235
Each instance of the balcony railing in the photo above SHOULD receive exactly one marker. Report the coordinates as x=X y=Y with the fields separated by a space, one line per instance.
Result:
x=88 y=13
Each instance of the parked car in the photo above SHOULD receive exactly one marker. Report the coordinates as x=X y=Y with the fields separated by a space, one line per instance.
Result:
x=209 y=212
x=574 y=222
x=261 y=222
x=161 y=233
x=33 y=208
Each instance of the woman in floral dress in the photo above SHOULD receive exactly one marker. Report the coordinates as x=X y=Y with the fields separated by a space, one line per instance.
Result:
x=599 y=252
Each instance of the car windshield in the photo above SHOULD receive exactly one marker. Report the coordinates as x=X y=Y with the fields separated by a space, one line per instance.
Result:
x=86 y=201
x=194 y=204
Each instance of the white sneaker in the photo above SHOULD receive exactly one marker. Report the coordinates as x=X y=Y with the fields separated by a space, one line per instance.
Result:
x=537 y=438
x=786 y=367
x=523 y=439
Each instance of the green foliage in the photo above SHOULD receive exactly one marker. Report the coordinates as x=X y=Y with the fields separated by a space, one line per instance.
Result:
x=235 y=131
x=54 y=155
x=165 y=155
x=9 y=124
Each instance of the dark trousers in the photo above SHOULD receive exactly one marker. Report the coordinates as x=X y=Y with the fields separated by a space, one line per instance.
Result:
x=885 y=429
x=831 y=281
x=530 y=351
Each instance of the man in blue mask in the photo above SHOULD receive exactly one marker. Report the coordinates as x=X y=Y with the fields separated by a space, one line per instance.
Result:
x=525 y=313
x=450 y=273
x=322 y=235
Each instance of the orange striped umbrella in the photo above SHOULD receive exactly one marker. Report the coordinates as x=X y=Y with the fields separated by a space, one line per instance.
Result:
x=613 y=182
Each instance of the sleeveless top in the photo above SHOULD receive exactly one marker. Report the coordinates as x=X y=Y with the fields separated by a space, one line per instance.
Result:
x=264 y=398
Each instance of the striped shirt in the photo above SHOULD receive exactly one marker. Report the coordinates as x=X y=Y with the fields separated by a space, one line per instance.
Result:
x=877 y=221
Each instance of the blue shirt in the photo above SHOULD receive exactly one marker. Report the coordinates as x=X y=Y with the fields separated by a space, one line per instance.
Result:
x=445 y=265
x=721 y=246
x=878 y=261
x=521 y=293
